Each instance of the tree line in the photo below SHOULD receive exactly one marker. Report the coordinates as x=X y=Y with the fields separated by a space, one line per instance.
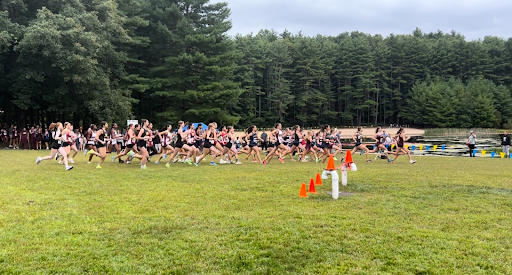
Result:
x=89 y=60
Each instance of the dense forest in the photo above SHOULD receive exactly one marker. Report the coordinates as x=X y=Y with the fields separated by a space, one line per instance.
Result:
x=89 y=60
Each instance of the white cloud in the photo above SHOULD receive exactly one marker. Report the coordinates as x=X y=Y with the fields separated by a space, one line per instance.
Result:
x=472 y=18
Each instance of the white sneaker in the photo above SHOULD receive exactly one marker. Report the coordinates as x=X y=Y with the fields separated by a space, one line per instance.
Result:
x=222 y=161
x=60 y=161
x=38 y=160
x=71 y=160
x=413 y=161
x=69 y=168
x=157 y=162
x=143 y=167
x=238 y=163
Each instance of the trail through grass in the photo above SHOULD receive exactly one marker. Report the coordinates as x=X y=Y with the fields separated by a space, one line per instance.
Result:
x=439 y=216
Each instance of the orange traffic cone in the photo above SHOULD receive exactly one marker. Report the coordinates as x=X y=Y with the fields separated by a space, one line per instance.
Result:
x=330 y=164
x=312 y=188
x=318 y=179
x=303 y=193
x=348 y=158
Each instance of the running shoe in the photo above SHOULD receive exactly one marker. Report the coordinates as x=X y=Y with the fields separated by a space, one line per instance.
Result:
x=164 y=156
x=167 y=165
x=361 y=152
x=196 y=164
x=188 y=162
x=413 y=161
x=128 y=162
x=57 y=156
x=335 y=158
x=113 y=158
x=254 y=160
x=60 y=161
x=369 y=161
x=121 y=161
x=38 y=160
x=98 y=167
x=390 y=160
x=317 y=160
x=88 y=162
x=90 y=152
x=143 y=167
x=71 y=160
x=213 y=163
x=222 y=161
x=264 y=163
x=304 y=160
x=175 y=160
x=157 y=162
x=69 y=168
x=238 y=163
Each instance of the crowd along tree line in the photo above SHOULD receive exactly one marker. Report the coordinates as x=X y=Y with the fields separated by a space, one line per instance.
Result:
x=89 y=60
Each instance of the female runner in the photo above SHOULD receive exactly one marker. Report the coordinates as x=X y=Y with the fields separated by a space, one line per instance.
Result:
x=101 y=143
x=55 y=144
x=400 y=142
x=278 y=133
x=358 y=139
x=179 y=144
x=208 y=147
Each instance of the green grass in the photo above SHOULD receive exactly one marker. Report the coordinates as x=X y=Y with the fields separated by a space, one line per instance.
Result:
x=439 y=216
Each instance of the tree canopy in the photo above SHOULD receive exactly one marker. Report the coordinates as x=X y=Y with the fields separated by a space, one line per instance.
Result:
x=90 y=60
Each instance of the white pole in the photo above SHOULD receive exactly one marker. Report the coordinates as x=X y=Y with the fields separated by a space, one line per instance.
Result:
x=344 y=175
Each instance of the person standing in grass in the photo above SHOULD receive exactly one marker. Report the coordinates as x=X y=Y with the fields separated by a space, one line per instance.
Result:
x=505 y=144
x=471 y=142
x=264 y=143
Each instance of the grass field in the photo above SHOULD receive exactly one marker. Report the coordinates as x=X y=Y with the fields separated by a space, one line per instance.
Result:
x=439 y=216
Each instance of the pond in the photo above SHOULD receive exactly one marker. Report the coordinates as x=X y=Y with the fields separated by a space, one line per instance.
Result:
x=453 y=145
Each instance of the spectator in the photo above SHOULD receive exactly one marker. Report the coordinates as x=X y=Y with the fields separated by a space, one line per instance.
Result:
x=39 y=138
x=264 y=144
x=505 y=144
x=46 y=138
x=24 y=139
x=471 y=142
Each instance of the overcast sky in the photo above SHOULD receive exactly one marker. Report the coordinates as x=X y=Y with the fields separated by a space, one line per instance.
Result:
x=472 y=18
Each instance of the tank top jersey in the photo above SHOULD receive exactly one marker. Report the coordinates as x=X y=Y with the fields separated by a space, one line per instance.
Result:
x=141 y=142
x=379 y=140
x=359 y=139
x=150 y=142
x=178 y=138
x=93 y=137
x=223 y=140
x=254 y=139
x=69 y=138
x=129 y=138
x=190 y=137
x=400 y=142
x=102 y=138
x=279 y=136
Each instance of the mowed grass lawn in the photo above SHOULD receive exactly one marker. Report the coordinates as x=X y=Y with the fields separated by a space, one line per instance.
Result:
x=439 y=216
